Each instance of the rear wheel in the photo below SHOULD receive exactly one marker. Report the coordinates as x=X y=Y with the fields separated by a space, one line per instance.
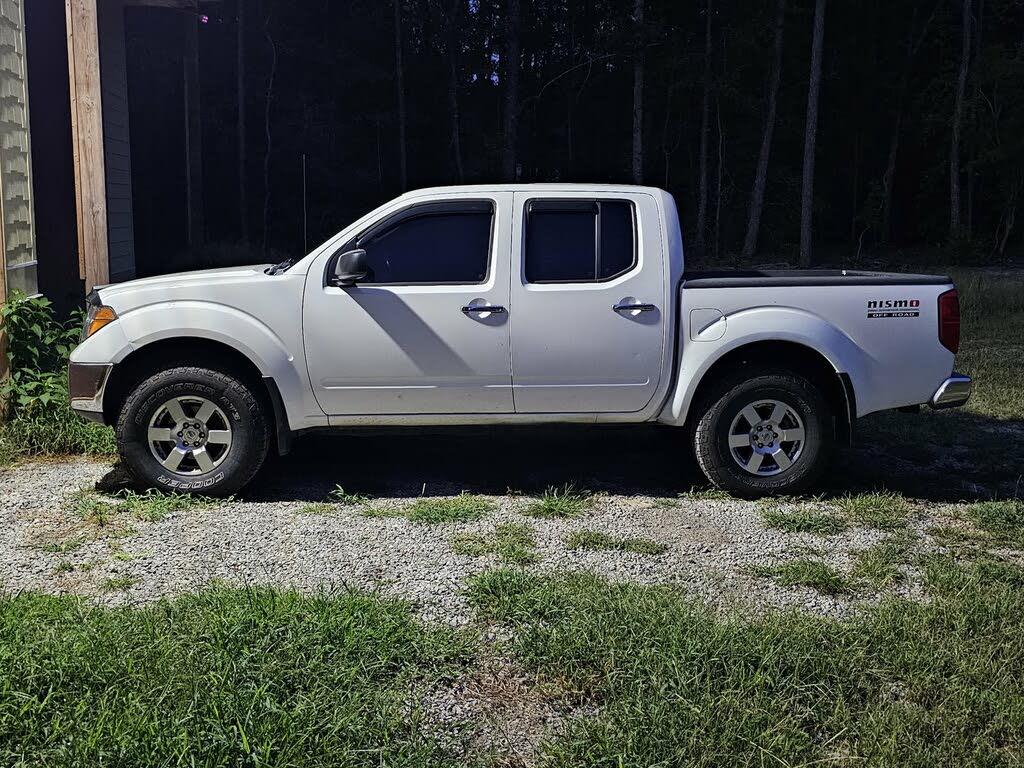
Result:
x=193 y=429
x=769 y=434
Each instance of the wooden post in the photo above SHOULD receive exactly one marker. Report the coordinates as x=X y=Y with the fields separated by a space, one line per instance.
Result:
x=87 y=141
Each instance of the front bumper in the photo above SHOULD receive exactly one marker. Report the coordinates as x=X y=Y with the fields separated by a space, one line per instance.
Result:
x=954 y=392
x=86 y=384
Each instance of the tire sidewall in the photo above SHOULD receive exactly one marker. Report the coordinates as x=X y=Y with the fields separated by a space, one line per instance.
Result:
x=248 y=433
x=805 y=400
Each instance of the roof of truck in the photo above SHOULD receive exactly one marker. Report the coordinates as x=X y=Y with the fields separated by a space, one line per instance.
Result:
x=556 y=187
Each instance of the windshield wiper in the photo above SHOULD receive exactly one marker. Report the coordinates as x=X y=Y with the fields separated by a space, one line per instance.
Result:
x=281 y=267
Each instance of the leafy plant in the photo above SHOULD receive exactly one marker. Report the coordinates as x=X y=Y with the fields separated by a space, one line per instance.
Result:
x=35 y=403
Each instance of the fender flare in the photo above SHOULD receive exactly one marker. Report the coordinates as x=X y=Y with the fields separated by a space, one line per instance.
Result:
x=236 y=329
x=764 y=324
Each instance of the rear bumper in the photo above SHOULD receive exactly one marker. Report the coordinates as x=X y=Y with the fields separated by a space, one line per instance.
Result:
x=86 y=384
x=954 y=392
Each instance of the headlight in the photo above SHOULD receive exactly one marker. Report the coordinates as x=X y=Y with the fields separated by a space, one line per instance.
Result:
x=97 y=315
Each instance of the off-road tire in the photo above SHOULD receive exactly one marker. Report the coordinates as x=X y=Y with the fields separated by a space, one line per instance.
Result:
x=248 y=421
x=713 y=419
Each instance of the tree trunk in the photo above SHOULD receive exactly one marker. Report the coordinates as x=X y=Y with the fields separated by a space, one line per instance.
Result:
x=958 y=112
x=268 y=133
x=511 y=108
x=761 y=175
x=718 y=179
x=453 y=89
x=972 y=174
x=913 y=46
x=811 y=135
x=400 y=94
x=243 y=208
x=702 y=173
x=638 y=94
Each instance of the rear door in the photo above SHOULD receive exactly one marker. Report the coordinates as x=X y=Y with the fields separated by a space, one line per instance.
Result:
x=588 y=298
x=427 y=331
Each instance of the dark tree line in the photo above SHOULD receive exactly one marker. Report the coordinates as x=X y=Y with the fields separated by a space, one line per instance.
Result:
x=788 y=130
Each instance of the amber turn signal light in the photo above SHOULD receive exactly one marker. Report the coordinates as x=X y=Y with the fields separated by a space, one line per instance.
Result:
x=96 y=320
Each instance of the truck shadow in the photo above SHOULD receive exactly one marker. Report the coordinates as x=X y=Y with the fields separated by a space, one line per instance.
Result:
x=938 y=457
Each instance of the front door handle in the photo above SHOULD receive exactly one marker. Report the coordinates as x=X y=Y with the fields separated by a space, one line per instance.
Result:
x=634 y=307
x=483 y=308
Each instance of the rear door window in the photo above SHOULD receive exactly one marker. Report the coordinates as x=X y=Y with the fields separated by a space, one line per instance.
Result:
x=579 y=241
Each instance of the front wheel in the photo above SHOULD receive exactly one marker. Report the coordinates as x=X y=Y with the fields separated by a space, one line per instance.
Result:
x=770 y=434
x=193 y=429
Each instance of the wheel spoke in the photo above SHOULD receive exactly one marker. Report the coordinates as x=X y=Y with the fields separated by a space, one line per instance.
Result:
x=160 y=435
x=203 y=459
x=789 y=435
x=175 y=410
x=754 y=463
x=173 y=459
x=205 y=411
x=751 y=415
x=219 y=437
x=778 y=412
x=735 y=441
x=782 y=459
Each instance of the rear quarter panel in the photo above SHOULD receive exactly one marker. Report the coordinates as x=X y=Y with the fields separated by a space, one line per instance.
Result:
x=893 y=357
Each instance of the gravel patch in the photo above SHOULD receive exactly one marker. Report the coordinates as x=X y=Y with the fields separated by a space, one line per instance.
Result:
x=712 y=545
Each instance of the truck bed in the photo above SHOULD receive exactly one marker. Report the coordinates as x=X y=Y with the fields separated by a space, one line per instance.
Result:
x=754 y=278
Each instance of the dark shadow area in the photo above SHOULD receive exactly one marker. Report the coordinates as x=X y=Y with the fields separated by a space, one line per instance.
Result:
x=936 y=457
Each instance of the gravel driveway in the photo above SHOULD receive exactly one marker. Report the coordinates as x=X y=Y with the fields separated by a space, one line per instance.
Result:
x=712 y=545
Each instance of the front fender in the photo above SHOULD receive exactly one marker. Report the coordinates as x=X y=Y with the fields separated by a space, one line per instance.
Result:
x=137 y=328
x=760 y=324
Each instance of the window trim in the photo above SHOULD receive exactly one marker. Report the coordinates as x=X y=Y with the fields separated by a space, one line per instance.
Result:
x=577 y=205
x=416 y=211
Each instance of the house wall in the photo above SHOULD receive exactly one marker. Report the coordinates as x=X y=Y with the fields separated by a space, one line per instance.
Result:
x=16 y=215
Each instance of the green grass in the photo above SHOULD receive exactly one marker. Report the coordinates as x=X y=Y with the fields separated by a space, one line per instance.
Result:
x=318 y=508
x=64 y=566
x=55 y=430
x=668 y=681
x=1003 y=520
x=64 y=547
x=806 y=572
x=336 y=499
x=566 y=501
x=340 y=496
x=118 y=584
x=706 y=494
x=880 y=564
x=596 y=540
x=803 y=519
x=992 y=341
x=254 y=677
x=456 y=509
x=152 y=505
x=884 y=510
x=511 y=542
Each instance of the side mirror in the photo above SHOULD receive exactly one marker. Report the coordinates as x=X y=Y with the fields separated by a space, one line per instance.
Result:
x=349 y=268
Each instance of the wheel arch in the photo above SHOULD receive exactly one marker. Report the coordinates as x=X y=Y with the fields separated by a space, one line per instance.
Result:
x=195 y=350
x=800 y=358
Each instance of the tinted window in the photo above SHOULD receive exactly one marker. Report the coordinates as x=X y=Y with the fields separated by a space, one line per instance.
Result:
x=441 y=245
x=578 y=242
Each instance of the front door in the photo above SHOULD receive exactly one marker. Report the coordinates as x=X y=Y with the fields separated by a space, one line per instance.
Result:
x=427 y=331
x=589 y=299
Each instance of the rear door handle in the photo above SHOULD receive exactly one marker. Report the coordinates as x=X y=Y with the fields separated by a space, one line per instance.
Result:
x=483 y=308
x=634 y=307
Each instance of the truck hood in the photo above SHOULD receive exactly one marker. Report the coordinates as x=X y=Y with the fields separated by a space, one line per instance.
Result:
x=181 y=280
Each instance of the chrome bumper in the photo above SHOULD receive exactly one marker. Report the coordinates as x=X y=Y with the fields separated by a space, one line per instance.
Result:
x=954 y=392
x=86 y=384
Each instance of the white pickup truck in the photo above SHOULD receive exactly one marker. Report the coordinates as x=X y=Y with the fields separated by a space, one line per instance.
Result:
x=510 y=304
